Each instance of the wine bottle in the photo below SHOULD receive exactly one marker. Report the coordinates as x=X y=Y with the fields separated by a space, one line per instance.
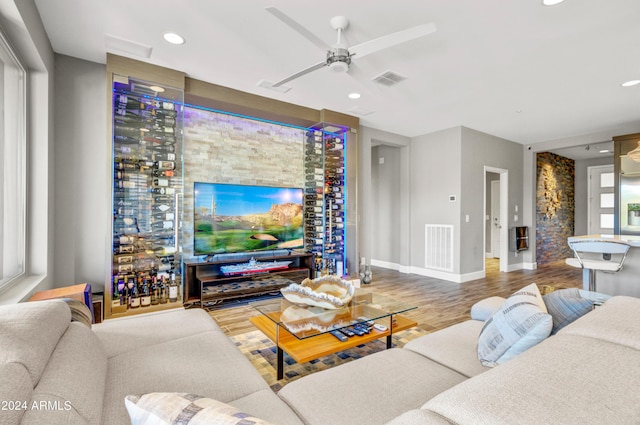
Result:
x=173 y=289
x=162 y=288
x=128 y=102
x=116 y=298
x=145 y=299
x=155 y=300
x=164 y=157
x=163 y=173
x=134 y=296
x=163 y=190
x=165 y=165
x=126 y=290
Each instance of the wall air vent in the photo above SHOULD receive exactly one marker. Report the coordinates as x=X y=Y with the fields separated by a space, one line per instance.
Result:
x=388 y=78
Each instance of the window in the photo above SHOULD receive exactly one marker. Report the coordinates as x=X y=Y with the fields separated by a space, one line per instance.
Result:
x=12 y=164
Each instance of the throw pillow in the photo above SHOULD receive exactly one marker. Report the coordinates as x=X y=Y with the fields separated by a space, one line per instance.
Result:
x=184 y=409
x=520 y=323
x=565 y=306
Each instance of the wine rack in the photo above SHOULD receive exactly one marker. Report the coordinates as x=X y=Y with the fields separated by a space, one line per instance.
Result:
x=325 y=199
x=147 y=198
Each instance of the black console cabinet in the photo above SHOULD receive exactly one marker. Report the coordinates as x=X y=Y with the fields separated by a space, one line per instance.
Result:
x=205 y=281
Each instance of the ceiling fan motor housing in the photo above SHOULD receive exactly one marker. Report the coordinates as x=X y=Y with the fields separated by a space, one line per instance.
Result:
x=338 y=59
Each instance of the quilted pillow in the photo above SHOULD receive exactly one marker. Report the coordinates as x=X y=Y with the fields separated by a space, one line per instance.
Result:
x=565 y=306
x=184 y=409
x=520 y=323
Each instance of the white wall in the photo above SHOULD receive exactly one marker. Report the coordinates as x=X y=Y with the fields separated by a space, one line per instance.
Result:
x=83 y=174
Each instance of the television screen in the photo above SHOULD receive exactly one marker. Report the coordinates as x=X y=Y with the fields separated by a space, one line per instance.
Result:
x=239 y=218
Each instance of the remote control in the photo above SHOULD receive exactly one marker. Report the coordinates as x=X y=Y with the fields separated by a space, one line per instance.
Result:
x=366 y=320
x=347 y=332
x=380 y=327
x=356 y=331
x=339 y=335
x=362 y=328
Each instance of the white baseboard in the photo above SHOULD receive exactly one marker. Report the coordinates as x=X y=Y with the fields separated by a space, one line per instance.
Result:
x=386 y=265
x=437 y=274
x=451 y=277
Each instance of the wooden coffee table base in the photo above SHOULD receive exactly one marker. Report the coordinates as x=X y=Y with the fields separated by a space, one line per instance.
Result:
x=305 y=350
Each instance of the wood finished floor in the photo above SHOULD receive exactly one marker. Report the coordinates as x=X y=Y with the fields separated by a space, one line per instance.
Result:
x=440 y=303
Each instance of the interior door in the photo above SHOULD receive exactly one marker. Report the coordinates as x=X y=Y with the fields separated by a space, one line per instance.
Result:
x=495 y=219
x=601 y=200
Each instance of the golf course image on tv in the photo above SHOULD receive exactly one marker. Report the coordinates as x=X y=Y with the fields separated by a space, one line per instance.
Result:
x=238 y=218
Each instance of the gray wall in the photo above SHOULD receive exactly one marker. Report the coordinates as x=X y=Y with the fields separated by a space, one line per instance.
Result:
x=480 y=150
x=83 y=174
x=434 y=174
x=368 y=138
x=386 y=191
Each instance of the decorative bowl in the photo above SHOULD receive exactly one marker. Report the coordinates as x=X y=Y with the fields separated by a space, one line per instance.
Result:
x=330 y=292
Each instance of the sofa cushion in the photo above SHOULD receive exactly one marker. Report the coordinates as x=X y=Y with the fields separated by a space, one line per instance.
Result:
x=267 y=405
x=15 y=392
x=71 y=389
x=207 y=364
x=125 y=334
x=568 y=379
x=566 y=306
x=521 y=322
x=184 y=409
x=29 y=333
x=373 y=389
x=418 y=417
x=616 y=321
x=454 y=347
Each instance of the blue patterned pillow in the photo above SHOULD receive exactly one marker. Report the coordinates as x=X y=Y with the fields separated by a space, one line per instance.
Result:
x=565 y=306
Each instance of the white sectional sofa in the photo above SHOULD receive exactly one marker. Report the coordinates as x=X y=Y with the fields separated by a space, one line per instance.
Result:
x=588 y=373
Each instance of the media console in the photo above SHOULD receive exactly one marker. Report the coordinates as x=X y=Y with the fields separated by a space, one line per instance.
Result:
x=205 y=280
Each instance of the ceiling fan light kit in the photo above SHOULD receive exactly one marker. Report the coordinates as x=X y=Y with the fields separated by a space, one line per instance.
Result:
x=339 y=56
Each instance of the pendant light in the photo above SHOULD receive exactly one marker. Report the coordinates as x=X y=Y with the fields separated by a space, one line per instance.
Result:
x=635 y=154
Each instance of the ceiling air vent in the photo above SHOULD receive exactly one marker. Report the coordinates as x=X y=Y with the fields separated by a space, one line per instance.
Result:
x=388 y=78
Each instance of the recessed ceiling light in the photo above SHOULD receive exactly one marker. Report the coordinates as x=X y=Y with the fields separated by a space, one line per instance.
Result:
x=354 y=95
x=173 y=38
x=551 y=2
x=157 y=89
x=630 y=83
x=604 y=151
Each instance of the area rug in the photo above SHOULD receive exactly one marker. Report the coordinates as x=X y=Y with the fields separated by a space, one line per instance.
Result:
x=261 y=352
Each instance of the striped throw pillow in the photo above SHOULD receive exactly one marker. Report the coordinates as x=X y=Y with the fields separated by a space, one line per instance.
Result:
x=184 y=409
x=565 y=306
x=520 y=323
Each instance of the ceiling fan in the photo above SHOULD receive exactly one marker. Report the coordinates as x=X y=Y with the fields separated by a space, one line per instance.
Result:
x=339 y=55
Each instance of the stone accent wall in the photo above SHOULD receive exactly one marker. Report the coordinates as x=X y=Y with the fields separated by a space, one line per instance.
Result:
x=221 y=148
x=555 y=207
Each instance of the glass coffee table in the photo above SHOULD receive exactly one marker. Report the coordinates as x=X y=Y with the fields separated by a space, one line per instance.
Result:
x=304 y=332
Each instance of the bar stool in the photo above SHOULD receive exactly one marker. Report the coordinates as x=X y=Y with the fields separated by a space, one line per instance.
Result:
x=598 y=254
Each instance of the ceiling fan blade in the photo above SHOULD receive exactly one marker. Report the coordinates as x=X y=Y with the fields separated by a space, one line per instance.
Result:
x=301 y=73
x=391 y=40
x=298 y=28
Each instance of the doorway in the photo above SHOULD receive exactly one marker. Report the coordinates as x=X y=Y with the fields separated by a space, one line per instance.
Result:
x=600 y=213
x=496 y=230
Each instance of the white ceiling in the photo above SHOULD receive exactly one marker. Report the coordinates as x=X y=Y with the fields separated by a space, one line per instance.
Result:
x=511 y=68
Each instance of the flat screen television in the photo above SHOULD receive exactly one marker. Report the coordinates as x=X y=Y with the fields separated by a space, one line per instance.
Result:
x=240 y=218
